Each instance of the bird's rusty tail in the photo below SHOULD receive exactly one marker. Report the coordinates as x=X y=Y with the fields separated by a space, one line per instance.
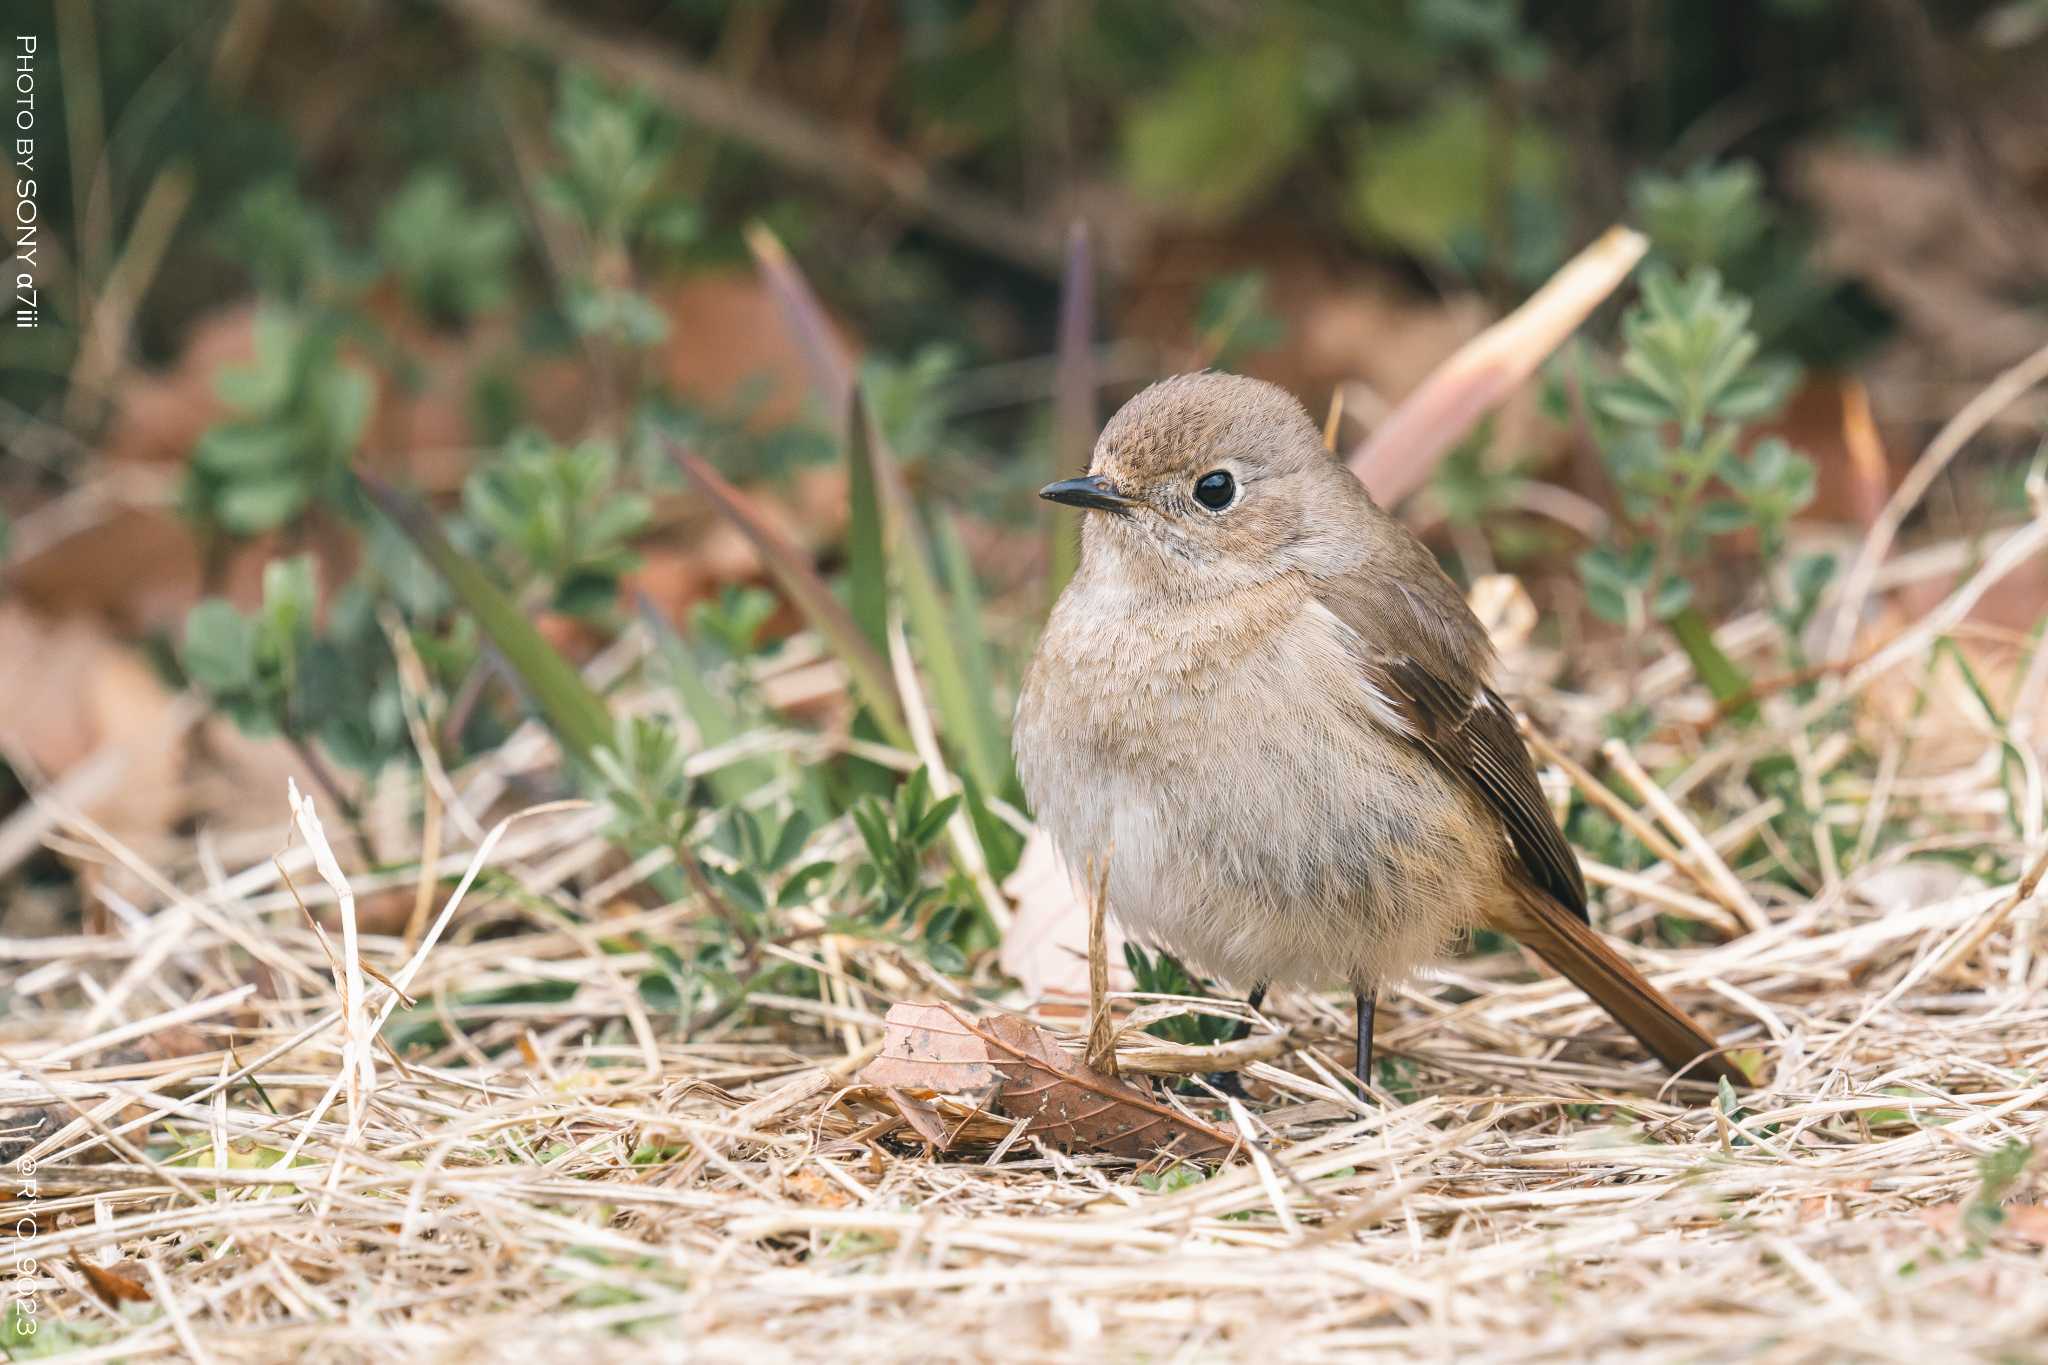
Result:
x=1582 y=956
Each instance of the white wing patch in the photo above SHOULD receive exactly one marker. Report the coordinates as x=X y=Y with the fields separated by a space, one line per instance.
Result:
x=1384 y=708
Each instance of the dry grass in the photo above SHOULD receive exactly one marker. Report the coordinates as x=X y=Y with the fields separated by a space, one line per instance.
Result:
x=224 y=1141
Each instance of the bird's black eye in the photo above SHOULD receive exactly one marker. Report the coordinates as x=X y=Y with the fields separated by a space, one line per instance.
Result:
x=1215 y=489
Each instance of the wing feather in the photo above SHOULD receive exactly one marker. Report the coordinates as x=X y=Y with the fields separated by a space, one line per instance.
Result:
x=1448 y=710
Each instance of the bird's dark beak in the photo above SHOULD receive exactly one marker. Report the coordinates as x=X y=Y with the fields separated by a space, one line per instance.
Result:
x=1090 y=490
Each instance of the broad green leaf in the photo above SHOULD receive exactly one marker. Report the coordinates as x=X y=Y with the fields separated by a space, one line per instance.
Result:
x=1426 y=185
x=1673 y=596
x=220 y=647
x=252 y=505
x=1222 y=131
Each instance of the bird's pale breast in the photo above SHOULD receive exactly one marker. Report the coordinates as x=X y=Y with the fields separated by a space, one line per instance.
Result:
x=1261 y=822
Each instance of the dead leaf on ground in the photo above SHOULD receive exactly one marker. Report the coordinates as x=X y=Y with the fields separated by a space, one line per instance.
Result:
x=928 y=1048
x=75 y=695
x=1027 y=1074
x=1072 y=1104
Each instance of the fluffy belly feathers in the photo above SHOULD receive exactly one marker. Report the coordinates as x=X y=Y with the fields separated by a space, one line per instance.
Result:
x=1263 y=844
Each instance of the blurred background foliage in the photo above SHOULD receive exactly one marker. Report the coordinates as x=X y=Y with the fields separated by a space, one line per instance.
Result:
x=500 y=251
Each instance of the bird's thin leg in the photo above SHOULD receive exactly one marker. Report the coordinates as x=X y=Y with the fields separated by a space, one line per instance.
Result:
x=1362 y=1002
x=1227 y=1081
x=1244 y=1026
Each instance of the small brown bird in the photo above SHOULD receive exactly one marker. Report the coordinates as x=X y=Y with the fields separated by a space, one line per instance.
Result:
x=1263 y=701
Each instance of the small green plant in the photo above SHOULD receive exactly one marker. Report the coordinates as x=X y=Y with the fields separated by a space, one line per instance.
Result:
x=1162 y=974
x=1706 y=217
x=277 y=673
x=453 y=258
x=299 y=412
x=1670 y=425
x=1997 y=1173
x=896 y=889
x=557 y=521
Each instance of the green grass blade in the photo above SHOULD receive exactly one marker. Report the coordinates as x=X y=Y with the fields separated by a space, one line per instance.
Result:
x=867 y=563
x=970 y=633
x=932 y=626
x=982 y=749
x=1728 y=683
x=1073 y=389
x=792 y=570
x=575 y=712
x=826 y=359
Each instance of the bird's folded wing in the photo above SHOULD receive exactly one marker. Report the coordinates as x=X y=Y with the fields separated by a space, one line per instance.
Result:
x=1470 y=732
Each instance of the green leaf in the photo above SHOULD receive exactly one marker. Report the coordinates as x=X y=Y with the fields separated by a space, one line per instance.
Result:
x=1706 y=216
x=874 y=830
x=252 y=506
x=1427 y=185
x=790 y=841
x=804 y=883
x=1723 y=679
x=927 y=829
x=1632 y=401
x=867 y=567
x=1757 y=392
x=1673 y=596
x=1222 y=131
x=246 y=450
x=1719 y=516
x=220 y=647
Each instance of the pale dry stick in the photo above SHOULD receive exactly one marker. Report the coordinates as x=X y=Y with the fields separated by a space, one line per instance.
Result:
x=1665 y=898
x=1101 y=1051
x=1396 y=458
x=1809 y=791
x=167 y=938
x=2000 y=560
x=1603 y=796
x=959 y=828
x=82 y=784
x=1996 y=396
x=1966 y=941
x=183 y=1014
x=359 y=1060
x=403 y=980
x=833 y=985
x=1914 y=641
x=436 y=791
x=164 y=1106
x=112 y=1139
x=1732 y=893
x=167 y=1299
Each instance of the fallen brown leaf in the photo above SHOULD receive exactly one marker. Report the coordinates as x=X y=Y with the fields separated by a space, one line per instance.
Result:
x=1075 y=1106
x=928 y=1048
x=1009 y=1063
x=924 y=1117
